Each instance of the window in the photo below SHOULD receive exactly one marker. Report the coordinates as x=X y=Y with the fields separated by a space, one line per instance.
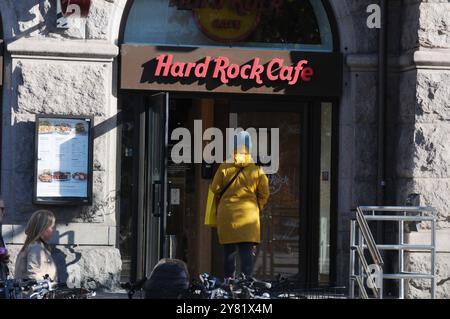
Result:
x=291 y=24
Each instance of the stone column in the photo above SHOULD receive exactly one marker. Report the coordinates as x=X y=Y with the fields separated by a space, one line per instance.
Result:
x=67 y=72
x=423 y=148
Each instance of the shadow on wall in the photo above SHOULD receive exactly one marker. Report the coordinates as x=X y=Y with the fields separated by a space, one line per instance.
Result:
x=27 y=17
x=402 y=108
x=416 y=140
x=33 y=16
x=90 y=267
x=61 y=259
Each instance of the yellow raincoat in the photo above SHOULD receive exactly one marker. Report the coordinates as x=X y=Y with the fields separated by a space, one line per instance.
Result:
x=238 y=211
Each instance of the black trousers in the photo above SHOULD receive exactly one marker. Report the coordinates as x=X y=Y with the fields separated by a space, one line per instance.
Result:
x=245 y=256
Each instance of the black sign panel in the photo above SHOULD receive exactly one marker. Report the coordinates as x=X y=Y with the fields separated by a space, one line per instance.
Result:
x=231 y=70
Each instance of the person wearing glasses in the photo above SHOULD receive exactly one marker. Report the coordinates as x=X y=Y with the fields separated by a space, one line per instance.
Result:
x=35 y=258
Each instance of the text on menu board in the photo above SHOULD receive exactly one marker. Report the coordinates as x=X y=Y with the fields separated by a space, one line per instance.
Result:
x=62 y=157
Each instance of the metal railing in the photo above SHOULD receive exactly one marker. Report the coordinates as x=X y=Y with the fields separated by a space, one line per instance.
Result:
x=360 y=270
x=360 y=227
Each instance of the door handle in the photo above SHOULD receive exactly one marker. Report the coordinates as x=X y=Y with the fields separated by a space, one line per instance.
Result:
x=169 y=199
x=156 y=198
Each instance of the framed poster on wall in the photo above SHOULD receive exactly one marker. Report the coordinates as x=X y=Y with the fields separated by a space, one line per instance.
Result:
x=63 y=160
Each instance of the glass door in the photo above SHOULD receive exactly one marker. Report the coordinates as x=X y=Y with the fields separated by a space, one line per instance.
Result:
x=280 y=251
x=152 y=181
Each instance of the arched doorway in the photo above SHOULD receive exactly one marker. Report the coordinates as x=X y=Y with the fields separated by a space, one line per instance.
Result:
x=162 y=201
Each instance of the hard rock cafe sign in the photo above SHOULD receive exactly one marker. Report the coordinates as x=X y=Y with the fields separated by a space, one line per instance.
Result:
x=230 y=70
x=228 y=20
x=224 y=71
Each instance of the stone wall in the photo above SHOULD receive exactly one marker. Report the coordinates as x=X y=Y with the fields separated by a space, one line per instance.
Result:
x=421 y=262
x=69 y=72
x=90 y=267
x=37 y=18
x=418 y=128
x=417 y=121
x=357 y=122
x=423 y=167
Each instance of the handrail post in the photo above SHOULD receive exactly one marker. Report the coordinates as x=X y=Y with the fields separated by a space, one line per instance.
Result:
x=380 y=289
x=400 y=258
x=352 y=258
x=433 y=258
x=365 y=229
x=360 y=264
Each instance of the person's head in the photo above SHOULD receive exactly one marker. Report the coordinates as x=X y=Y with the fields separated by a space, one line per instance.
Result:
x=169 y=279
x=242 y=149
x=2 y=210
x=40 y=227
x=242 y=143
x=172 y=261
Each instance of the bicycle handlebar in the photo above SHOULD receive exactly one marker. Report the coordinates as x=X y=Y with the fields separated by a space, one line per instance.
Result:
x=44 y=285
x=25 y=283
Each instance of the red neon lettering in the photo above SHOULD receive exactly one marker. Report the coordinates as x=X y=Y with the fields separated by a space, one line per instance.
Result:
x=221 y=64
x=243 y=70
x=256 y=71
x=307 y=74
x=226 y=71
x=161 y=64
x=233 y=71
x=189 y=68
x=177 y=69
x=270 y=70
x=201 y=70
x=286 y=73
x=298 y=68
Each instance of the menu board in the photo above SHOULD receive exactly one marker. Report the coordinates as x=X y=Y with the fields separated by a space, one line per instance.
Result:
x=63 y=159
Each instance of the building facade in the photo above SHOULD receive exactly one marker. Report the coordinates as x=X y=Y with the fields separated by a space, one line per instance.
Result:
x=329 y=130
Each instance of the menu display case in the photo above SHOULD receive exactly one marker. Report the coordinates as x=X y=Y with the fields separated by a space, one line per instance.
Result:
x=63 y=160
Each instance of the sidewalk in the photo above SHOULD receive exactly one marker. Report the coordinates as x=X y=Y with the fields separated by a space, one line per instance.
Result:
x=118 y=294
x=121 y=294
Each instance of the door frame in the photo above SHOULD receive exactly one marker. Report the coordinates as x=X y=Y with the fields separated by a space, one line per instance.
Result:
x=310 y=182
x=144 y=219
x=308 y=188
x=310 y=197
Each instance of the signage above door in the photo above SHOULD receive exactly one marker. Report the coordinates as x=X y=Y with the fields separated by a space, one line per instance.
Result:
x=228 y=21
x=226 y=70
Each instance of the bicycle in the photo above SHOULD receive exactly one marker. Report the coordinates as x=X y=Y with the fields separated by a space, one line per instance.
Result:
x=285 y=288
x=133 y=287
x=208 y=287
x=14 y=289
x=41 y=289
x=47 y=289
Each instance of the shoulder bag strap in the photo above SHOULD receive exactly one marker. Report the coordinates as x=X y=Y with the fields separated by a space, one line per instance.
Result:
x=231 y=182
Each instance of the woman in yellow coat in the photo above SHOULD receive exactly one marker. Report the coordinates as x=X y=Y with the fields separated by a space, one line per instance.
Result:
x=238 y=222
